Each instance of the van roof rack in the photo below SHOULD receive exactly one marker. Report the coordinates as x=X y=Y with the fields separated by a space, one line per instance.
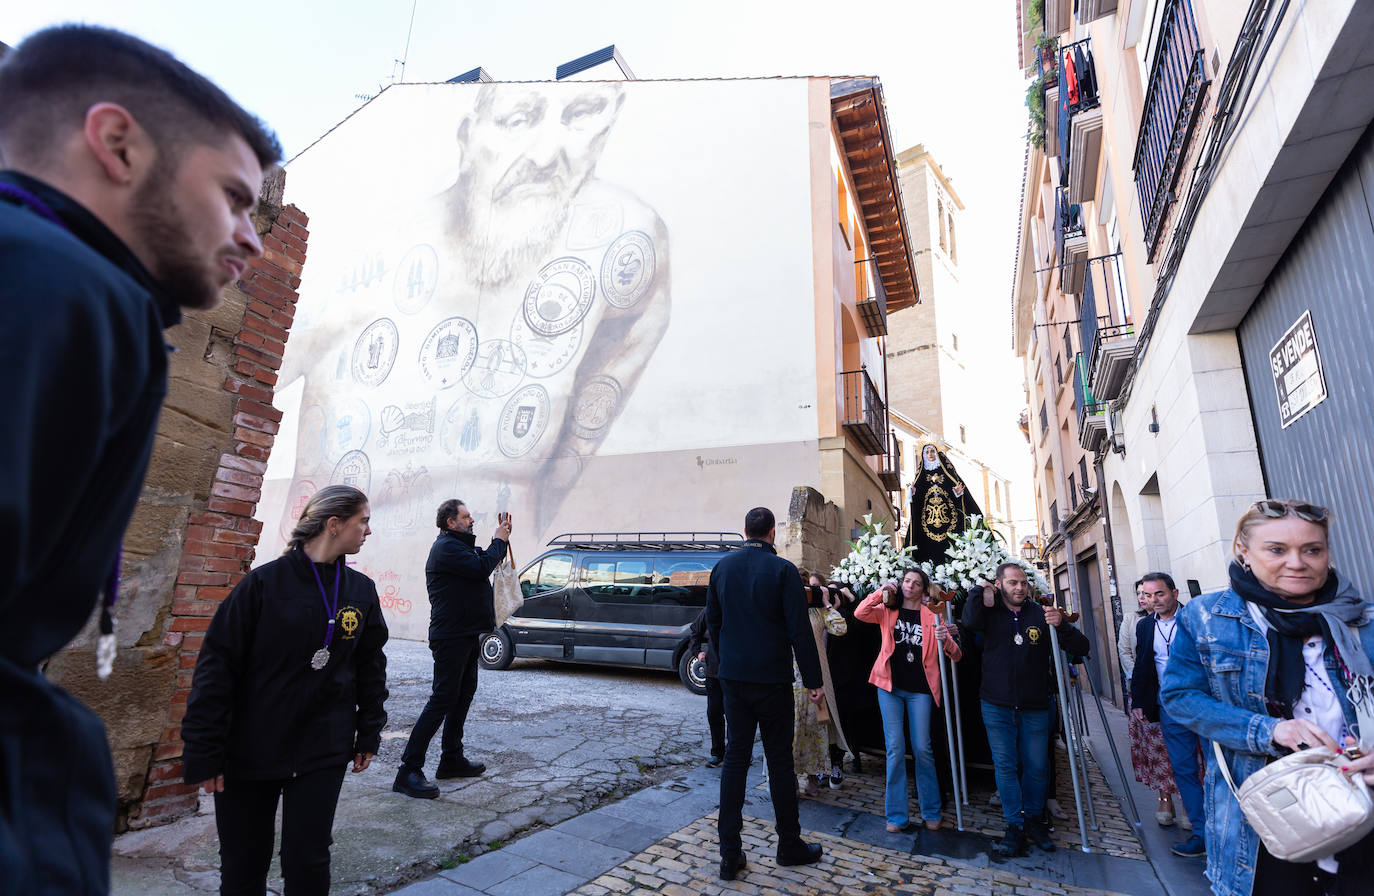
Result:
x=654 y=541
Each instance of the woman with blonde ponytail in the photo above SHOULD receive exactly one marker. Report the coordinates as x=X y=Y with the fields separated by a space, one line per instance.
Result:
x=288 y=690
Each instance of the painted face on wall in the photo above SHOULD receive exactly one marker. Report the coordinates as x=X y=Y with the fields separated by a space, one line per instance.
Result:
x=526 y=154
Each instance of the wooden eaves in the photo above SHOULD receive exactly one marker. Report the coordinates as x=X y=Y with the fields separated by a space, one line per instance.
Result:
x=861 y=118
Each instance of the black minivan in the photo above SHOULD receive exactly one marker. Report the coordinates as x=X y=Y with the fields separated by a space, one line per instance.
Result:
x=622 y=598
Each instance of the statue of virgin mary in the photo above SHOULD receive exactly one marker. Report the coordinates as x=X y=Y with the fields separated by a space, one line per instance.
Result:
x=940 y=506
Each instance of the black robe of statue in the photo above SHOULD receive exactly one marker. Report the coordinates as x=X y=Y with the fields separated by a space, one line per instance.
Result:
x=936 y=512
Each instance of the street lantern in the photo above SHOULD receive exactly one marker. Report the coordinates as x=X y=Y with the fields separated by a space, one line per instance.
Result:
x=1028 y=551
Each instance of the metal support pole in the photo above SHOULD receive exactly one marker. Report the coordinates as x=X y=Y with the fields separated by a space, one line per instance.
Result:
x=1111 y=742
x=1061 y=678
x=958 y=715
x=949 y=735
x=1082 y=723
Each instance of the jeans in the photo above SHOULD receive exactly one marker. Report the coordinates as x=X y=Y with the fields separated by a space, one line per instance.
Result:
x=715 y=715
x=455 y=681
x=916 y=708
x=1019 y=736
x=245 y=816
x=769 y=709
x=1183 y=746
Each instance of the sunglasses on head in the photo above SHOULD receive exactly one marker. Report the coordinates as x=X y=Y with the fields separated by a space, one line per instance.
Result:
x=1277 y=510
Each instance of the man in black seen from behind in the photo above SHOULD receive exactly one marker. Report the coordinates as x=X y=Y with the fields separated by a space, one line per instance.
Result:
x=1016 y=697
x=704 y=649
x=127 y=194
x=458 y=576
x=756 y=617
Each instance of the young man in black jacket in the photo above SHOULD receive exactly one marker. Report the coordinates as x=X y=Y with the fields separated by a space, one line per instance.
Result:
x=756 y=616
x=1154 y=636
x=1016 y=697
x=127 y=194
x=458 y=576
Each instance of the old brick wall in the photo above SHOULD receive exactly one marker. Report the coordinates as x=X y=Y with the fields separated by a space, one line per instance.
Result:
x=193 y=536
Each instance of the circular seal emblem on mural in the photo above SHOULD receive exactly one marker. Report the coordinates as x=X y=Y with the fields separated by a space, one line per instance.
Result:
x=448 y=351
x=595 y=407
x=560 y=296
x=544 y=355
x=354 y=469
x=523 y=421
x=461 y=431
x=375 y=352
x=296 y=499
x=347 y=424
x=414 y=279
x=499 y=368
x=627 y=271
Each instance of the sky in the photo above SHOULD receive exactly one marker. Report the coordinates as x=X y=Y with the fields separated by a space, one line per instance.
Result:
x=949 y=74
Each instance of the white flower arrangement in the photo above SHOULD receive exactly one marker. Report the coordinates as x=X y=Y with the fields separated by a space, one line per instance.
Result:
x=873 y=559
x=974 y=556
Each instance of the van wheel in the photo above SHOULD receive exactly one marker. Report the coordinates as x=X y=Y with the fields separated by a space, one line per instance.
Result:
x=494 y=651
x=692 y=671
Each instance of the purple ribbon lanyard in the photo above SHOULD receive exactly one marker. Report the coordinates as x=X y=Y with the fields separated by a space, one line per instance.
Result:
x=31 y=202
x=332 y=611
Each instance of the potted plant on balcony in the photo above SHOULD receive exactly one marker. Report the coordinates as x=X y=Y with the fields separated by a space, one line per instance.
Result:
x=1035 y=104
x=1047 y=47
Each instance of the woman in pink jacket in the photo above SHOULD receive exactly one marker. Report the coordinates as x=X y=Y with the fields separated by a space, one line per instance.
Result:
x=907 y=675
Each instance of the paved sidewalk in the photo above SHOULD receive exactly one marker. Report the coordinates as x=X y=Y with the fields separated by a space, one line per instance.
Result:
x=663 y=840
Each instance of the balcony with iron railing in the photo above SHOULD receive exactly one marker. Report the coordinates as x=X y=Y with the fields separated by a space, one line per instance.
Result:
x=1092 y=414
x=1174 y=99
x=1080 y=119
x=1109 y=339
x=865 y=415
x=1071 y=243
x=871 y=296
x=891 y=472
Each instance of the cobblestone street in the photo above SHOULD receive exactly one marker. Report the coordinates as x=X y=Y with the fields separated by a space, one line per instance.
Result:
x=595 y=786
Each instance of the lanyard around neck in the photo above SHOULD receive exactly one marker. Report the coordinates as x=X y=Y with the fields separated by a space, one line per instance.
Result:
x=334 y=609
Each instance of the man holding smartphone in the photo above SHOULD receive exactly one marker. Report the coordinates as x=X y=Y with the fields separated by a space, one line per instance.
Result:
x=461 y=610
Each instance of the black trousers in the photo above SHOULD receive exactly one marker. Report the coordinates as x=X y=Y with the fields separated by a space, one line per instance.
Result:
x=715 y=715
x=245 y=816
x=767 y=708
x=1353 y=877
x=455 y=681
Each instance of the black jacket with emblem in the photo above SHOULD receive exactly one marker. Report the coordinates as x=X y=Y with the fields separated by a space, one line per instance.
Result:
x=81 y=323
x=1014 y=675
x=257 y=710
x=458 y=576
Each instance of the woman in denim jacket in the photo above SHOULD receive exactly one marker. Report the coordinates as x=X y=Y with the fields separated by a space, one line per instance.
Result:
x=1263 y=668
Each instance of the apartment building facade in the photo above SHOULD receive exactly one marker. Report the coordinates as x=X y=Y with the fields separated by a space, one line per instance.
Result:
x=1193 y=278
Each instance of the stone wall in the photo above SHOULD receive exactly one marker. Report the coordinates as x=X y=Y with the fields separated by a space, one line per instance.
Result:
x=193 y=536
x=814 y=534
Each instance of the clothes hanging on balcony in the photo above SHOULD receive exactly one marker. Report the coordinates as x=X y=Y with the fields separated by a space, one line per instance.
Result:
x=1070 y=79
x=1086 y=75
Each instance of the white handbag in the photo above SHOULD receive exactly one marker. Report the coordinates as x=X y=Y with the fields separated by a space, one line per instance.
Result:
x=1303 y=806
x=505 y=586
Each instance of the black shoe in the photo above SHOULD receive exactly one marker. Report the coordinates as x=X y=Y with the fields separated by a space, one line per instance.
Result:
x=1013 y=844
x=857 y=765
x=714 y=762
x=460 y=769
x=802 y=854
x=730 y=867
x=414 y=783
x=1039 y=833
